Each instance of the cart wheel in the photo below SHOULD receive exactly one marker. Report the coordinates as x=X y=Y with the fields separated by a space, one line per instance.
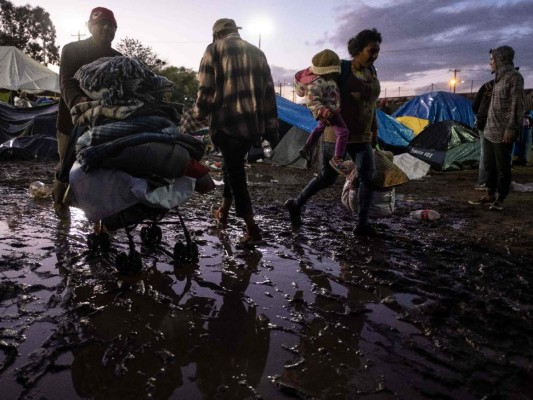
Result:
x=180 y=252
x=121 y=262
x=93 y=242
x=128 y=263
x=136 y=263
x=99 y=242
x=194 y=253
x=105 y=242
x=151 y=235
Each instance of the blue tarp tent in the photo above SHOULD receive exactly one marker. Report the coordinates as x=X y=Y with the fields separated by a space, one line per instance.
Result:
x=295 y=114
x=393 y=133
x=438 y=106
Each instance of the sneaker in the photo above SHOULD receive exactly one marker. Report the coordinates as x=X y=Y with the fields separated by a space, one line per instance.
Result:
x=483 y=200
x=496 y=206
x=365 y=230
x=221 y=219
x=295 y=211
x=481 y=186
x=305 y=153
x=342 y=167
x=252 y=237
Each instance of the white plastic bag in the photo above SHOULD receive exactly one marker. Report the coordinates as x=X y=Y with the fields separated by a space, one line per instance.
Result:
x=383 y=201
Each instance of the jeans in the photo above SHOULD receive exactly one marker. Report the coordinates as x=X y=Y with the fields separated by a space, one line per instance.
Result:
x=362 y=155
x=497 y=158
x=482 y=174
x=234 y=152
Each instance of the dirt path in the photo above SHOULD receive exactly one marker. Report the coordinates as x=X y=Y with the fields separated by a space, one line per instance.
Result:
x=427 y=310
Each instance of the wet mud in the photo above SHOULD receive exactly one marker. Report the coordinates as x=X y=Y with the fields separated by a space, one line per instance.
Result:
x=427 y=310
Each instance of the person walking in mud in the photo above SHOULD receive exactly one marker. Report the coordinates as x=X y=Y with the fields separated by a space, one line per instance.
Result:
x=102 y=26
x=359 y=87
x=480 y=107
x=236 y=93
x=504 y=122
x=317 y=84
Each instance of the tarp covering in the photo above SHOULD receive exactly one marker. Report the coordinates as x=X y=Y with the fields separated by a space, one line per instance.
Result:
x=295 y=114
x=446 y=146
x=393 y=133
x=14 y=121
x=438 y=106
x=287 y=152
x=29 y=148
x=21 y=72
x=417 y=125
x=28 y=133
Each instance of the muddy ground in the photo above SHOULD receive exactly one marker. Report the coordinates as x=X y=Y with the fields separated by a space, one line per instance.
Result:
x=428 y=310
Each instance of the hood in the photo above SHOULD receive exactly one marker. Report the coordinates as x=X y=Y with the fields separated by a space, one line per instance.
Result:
x=503 y=56
x=302 y=79
x=305 y=76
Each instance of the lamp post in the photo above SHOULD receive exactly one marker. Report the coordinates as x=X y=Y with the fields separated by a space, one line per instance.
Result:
x=454 y=80
x=261 y=26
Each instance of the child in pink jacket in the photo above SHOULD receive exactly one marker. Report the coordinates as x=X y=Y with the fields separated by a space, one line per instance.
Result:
x=317 y=84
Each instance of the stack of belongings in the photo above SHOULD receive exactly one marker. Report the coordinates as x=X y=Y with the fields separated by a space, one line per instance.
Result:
x=128 y=147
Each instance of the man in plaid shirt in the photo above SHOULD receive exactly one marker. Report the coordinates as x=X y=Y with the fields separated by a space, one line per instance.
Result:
x=236 y=94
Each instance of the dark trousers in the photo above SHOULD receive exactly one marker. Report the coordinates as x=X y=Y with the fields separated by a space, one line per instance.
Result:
x=362 y=155
x=234 y=152
x=497 y=158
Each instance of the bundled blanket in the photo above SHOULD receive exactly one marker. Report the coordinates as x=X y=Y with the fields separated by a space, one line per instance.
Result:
x=111 y=79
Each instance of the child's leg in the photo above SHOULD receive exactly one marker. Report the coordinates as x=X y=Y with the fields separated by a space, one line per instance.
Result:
x=342 y=133
x=315 y=134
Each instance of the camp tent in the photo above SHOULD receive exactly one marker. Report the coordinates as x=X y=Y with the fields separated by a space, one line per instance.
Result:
x=438 y=106
x=20 y=72
x=296 y=122
x=393 y=135
x=446 y=146
x=28 y=133
x=417 y=125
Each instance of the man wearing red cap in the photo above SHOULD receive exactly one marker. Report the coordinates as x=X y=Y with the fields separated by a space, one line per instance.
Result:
x=102 y=26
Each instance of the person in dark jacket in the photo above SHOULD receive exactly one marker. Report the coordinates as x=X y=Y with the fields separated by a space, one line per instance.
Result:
x=480 y=107
x=504 y=123
x=102 y=26
x=359 y=87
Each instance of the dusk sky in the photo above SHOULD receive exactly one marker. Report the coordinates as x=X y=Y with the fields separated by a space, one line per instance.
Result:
x=422 y=40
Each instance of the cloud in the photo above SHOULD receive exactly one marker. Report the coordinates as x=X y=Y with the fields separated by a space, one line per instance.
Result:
x=424 y=40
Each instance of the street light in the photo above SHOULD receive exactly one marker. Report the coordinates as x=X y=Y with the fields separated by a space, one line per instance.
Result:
x=261 y=26
x=454 y=79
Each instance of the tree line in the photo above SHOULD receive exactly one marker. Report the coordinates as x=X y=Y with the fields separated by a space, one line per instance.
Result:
x=31 y=30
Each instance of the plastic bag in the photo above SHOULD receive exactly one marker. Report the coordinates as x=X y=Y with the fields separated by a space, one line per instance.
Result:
x=39 y=190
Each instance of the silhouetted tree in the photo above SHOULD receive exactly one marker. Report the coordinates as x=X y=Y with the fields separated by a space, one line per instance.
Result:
x=30 y=30
x=134 y=48
x=186 y=84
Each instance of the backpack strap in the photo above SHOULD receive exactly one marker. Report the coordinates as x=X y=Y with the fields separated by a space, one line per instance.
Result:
x=346 y=68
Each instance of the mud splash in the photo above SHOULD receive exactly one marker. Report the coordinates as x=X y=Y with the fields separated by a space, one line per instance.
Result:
x=427 y=310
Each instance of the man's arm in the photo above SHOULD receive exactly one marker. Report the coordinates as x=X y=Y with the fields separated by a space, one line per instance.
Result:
x=70 y=88
x=516 y=89
x=271 y=108
x=206 y=86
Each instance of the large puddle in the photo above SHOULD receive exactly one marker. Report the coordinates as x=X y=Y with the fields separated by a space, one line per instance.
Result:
x=314 y=313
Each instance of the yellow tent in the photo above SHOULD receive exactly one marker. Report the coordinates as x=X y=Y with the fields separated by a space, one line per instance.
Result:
x=413 y=123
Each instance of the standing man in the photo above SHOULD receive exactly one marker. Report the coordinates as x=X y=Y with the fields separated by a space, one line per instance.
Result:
x=359 y=88
x=102 y=26
x=504 y=122
x=236 y=93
